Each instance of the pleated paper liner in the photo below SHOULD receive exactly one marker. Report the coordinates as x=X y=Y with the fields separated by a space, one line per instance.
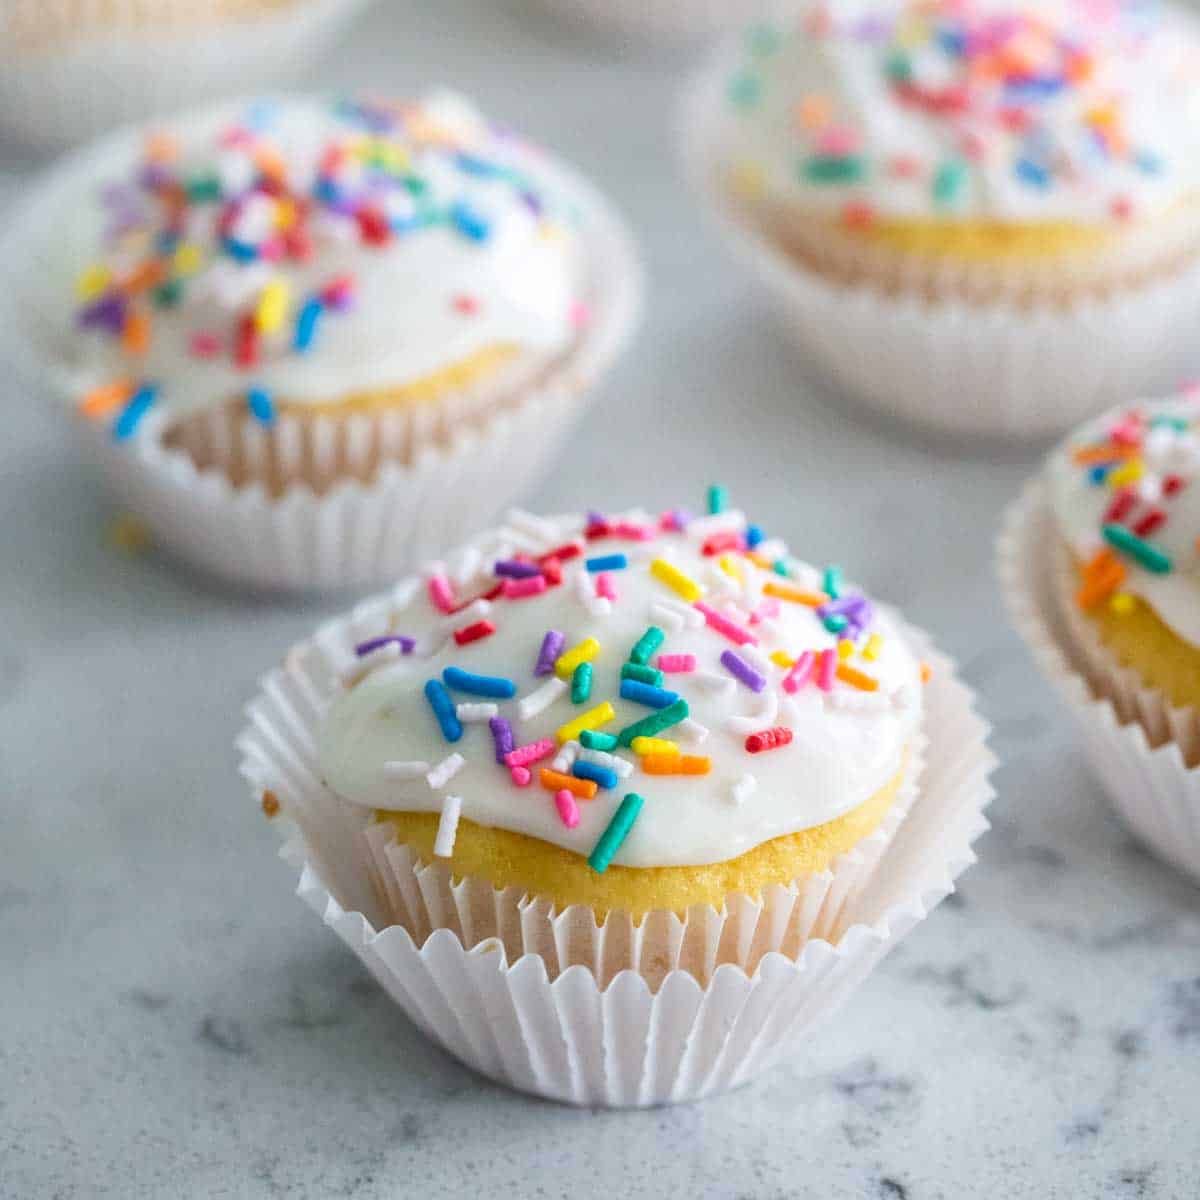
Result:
x=1007 y=368
x=673 y=1009
x=1141 y=750
x=125 y=60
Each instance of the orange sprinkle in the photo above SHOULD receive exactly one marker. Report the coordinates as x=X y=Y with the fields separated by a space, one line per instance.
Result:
x=856 y=678
x=676 y=764
x=1090 y=455
x=149 y=274
x=135 y=337
x=784 y=591
x=760 y=560
x=100 y=401
x=926 y=672
x=270 y=803
x=1101 y=577
x=161 y=147
x=555 y=781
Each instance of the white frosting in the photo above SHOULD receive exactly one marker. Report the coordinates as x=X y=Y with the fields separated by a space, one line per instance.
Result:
x=405 y=320
x=1146 y=66
x=1079 y=507
x=847 y=743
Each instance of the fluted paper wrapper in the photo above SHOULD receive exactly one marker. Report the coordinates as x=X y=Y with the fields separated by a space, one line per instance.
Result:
x=669 y=21
x=1004 y=368
x=408 y=484
x=1138 y=746
x=63 y=91
x=674 y=1008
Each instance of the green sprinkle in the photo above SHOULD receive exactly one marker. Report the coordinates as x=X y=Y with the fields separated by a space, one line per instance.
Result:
x=948 y=182
x=593 y=739
x=1163 y=421
x=899 y=67
x=1144 y=553
x=745 y=90
x=836 y=622
x=834 y=168
x=168 y=294
x=718 y=499
x=203 y=189
x=581 y=683
x=831 y=582
x=646 y=645
x=617 y=831
x=655 y=723
x=780 y=567
x=763 y=40
x=650 y=675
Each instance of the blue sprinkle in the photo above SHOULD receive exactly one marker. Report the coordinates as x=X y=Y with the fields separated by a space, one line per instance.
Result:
x=647 y=694
x=469 y=223
x=326 y=191
x=242 y=251
x=468 y=164
x=133 y=412
x=306 y=324
x=607 y=562
x=258 y=401
x=479 y=685
x=1099 y=474
x=603 y=777
x=443 y=710
x=1148 y=164
x=754 y=536
x=1032 y=173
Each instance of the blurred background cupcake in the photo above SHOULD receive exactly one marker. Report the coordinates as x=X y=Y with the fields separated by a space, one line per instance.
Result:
x=70 y=69
x=1101 y=565
x=982 y=217
x=310 y=339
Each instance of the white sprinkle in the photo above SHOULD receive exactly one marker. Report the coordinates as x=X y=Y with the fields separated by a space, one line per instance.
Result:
x=533 y=525
x=692 y=618
x=662 y=615
x=380 y=656
x=447 y=830
x=445 y=771
x=564 y=760
x=473 y=713
x=757 y=659
x=744 y=789
x=397 y=769
x=475 y=611
x=692 y=731
x=760 y=719
x=702 y=528
x=585 y=589
x=622 y=766
x=712 y=682
x=468 y=564
x=541 y=698
x=855 y=701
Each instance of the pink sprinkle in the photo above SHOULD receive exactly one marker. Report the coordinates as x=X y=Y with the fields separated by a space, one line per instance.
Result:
x=723 y=625
x=205 y=345
x=904 y=166
x=338 y=293
x=800 y=673
x=441 y=593
x=273 y=249
x=522 y=756
x=1127 y=433
x=531 y=585
x=638 y=533
x=826 y=669
x=676 y=663
x=467 y=305
x=838 y=140
x=521 y=776
x=606 y=587
x=767 y=609
x=580 y=314
x=567 y=808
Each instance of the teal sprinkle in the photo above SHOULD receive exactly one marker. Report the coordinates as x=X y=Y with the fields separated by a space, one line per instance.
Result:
x=642 y=674
x=745 y=90
x=835 y=622
x=168 y=294
x=593 y=739
x=831 y=582
x=655 y=723
x=616 y=833
x=581 y=683
x=718 y=499
x=899 y=67
x=948 y=182
x=780 y=567
x=833 y=168
x=1144 y=553
x=203 y=189
x=646 y=645
x=1163 y=421
x=763 y=40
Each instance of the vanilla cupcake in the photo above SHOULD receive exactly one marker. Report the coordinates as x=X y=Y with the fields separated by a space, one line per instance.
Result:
x=974 y=191
x=300 y=305
x=658 y=751
x=1116 y=525
x=71 y=69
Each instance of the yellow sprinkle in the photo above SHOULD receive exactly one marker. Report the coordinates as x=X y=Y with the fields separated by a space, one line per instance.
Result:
x=653 y=745
x=729 y=567
x=684 y=586
x=92 y=281
x=1131 y=472
x=1122 y=604
x=187 y=258
x=873 y=646
x=550 y=231
x=285 y=214
x=845 y=649
x=782 y=660
x=568 y=660
x=129 y=534
x=272 y=306
x=749 y=180
x=592 y=719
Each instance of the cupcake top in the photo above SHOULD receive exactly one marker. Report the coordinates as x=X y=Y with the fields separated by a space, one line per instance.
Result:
x=735 y=693
x=1126 y=497
x=986 y=110
x=308 y=250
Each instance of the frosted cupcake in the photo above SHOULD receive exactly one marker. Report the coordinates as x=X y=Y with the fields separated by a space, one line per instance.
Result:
x=1121 y=499
x=392 y=306
x=71 y=69
x=662 y=747
x=975 y=189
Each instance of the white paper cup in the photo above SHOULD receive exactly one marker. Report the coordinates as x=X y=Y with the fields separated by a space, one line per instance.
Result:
x=669 y=21
x=352 y=536
x=97 y=80
x=1139 y=762
x=548 y=1002
x=994 y=369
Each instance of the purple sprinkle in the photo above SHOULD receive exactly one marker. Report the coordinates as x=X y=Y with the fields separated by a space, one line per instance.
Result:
x=106 y=313
x=596 y=518
x=510 y=568
x=502 y=735
x=736 y=665
x=552 y=647
x=407 y=645
x=844 y=606
x=678 y=519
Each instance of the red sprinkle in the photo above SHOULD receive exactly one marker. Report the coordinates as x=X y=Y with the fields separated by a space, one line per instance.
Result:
x=1150 y=522
x=1173 y=485
x=245 y=351
x=768 y=739
x=597 y=531
x=720 y=542
x=373 y=226
x=473 y=633
x=552 y=570
x=1122 y=502
x=562 y=553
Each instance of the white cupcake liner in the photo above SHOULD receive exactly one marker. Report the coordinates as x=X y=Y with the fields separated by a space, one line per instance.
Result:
x=56 y=95
x=1140 y=766
x=996 y=369
x=548 y=1002
x=353 y=535
x=670 y=21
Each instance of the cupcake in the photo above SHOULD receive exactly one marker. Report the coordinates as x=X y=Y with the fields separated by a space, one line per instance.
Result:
x=1002 y=203
x=1113 y=528
x=308 y=338
x=72 y=69
x=619 y=756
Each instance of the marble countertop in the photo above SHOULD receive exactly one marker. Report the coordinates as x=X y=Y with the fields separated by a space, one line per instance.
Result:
x=173 y=1023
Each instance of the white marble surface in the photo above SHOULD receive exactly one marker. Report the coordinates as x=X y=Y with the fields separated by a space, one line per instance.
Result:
x=174 y=1024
